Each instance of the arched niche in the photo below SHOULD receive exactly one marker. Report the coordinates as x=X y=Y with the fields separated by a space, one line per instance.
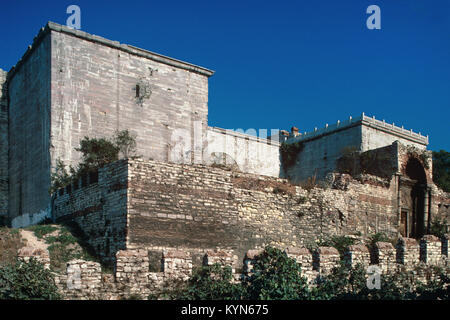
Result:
x=414 y=196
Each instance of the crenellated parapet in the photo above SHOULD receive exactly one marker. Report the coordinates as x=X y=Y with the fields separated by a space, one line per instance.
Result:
x=132 y=275
x=407 y=251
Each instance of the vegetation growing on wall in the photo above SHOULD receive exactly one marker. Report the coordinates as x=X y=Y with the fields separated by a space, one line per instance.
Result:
x=376 y=162
x=289 y=153
x=277 y=277
x=341 y=243
x=441 y=169
x=65 y=243
x=96 y=153
x=439 y=227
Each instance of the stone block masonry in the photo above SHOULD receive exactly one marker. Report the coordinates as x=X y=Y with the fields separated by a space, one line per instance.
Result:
x=431 y=250
x=191 y=206
x=384 y=255
x=70 y=84
x=357 y=254
x=85 y=280
x=408 y=251
x=136 y=203
x=97 y=205
x=325 y=259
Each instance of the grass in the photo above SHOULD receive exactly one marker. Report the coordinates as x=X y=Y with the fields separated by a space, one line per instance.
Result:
x=41 y=230
x=10 y=243
x=65 y=243
x=66 y=246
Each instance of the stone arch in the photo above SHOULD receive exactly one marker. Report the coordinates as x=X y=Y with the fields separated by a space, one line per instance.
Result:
x=413 y=219
x=414 y=170
x=223 y=159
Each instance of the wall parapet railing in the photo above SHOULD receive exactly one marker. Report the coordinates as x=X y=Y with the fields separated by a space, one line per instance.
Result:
x=363 y=120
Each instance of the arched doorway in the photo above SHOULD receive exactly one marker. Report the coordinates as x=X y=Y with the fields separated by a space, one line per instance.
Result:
x=413 y=192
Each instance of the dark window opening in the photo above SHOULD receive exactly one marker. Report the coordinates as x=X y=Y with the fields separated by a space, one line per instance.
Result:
x=93 y=177
x=138 y=91
x=84 y=180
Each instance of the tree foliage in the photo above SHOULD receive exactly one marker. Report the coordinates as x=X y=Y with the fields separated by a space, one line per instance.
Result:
x=441 y=169
x=212 y=283
x=95 y=153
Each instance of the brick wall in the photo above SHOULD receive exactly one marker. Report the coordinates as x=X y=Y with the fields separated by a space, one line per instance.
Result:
x=97 y=204
x=431 y=250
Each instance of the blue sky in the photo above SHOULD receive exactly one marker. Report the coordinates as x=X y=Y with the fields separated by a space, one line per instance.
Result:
x=280 y=63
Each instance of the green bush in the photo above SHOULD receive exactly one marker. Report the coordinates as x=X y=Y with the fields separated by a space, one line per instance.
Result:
x=95 y=153
x=212 y=283
x=275 y=276
x=341 y=243
x=343 y=283
x=27 y=281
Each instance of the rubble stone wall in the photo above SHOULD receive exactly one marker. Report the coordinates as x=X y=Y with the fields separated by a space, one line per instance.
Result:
x=132 y=278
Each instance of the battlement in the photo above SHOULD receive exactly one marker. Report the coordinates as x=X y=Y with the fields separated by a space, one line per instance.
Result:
x=364 y=120
x=233 y=133
x=144 y=271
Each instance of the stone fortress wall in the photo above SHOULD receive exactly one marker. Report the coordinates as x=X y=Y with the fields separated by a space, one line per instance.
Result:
x=142 y=273
x=200 y=189
x=323 y=147
x=152 y=204
x=91 y=86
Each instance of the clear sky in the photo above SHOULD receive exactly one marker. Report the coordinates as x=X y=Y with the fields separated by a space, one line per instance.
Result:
x=280 y=63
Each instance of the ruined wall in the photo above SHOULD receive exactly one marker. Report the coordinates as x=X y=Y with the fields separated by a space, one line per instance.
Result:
x=251 y=154
x=97 y=204
x=94 y=93
x=192 y=207
x=29 y=135
x=440 y=205
x=185 y=206
x=133 y=278
x=4 y=146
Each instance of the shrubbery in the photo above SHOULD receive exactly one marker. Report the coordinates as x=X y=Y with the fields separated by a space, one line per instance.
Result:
x=27 y=281
x=96 y=152
x=275 y=276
